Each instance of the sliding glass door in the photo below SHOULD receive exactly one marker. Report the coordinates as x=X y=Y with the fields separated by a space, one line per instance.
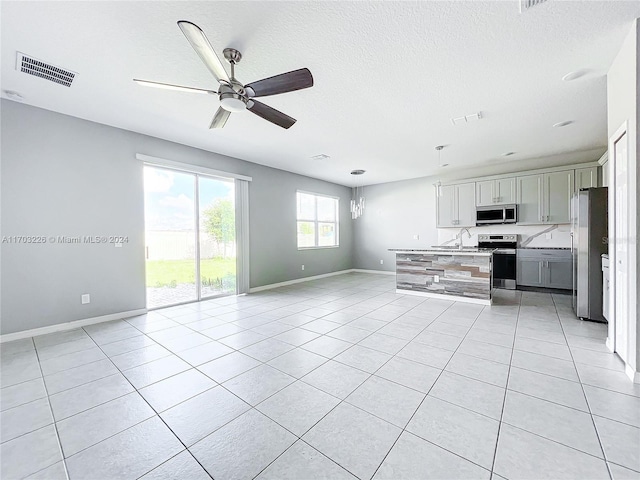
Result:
x=190 y=244
x=217 y=235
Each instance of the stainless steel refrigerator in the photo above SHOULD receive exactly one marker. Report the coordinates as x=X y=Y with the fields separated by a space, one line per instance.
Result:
x=589 y=242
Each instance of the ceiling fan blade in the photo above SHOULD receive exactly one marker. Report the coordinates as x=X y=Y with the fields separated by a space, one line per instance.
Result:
x=270 y=114
x=169 y=86
x=285 y=82
x=220 y=118
x=203 y=48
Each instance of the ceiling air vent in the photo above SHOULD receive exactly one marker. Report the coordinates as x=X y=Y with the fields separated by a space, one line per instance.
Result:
x=527 y=4
x=44 y=70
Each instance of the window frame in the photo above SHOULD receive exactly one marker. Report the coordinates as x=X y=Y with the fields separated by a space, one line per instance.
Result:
x=315 y=220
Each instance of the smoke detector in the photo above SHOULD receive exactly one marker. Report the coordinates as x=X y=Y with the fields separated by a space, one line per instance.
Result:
x=321 y=156
x=357 y=172
x=38 y=68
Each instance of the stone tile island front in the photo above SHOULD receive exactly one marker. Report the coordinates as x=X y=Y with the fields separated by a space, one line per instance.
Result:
x=460 y=275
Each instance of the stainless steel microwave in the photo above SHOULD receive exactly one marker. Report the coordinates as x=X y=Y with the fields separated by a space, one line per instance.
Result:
x=496 y=214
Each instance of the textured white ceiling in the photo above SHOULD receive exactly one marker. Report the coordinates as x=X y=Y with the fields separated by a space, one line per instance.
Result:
x=388 y=77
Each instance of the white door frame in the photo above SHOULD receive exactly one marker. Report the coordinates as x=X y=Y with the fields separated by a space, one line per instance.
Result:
x=613 y=323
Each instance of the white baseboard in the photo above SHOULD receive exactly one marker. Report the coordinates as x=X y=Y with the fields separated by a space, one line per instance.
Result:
x=631 y=373
x=609 y=344
x=7 y=337
x=380 y=272
x=316 y=277
x=297 y=280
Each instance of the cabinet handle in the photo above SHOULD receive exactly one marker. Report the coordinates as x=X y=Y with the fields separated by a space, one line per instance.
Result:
x=540 y=264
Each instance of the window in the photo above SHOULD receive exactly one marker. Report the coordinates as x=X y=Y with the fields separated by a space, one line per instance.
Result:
x=317 y=220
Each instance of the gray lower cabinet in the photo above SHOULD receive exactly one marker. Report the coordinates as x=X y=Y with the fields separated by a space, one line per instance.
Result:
x=547 y=268
x=529 y=272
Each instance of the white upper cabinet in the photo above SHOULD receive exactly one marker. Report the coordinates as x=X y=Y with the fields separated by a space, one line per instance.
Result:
x=456 y=205
x=506 y=190
x=545 y=198
x=494 y=192
x=466 y=205
x=558 y=189
x=586 y=177
x=484 y=193
x=542 y=196
x=446 y=205
x=530 y=199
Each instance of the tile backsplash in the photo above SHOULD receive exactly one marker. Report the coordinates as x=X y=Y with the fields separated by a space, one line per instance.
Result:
x=530 y=235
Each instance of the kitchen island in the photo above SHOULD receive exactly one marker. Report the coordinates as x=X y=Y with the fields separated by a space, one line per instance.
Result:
x=461 y=275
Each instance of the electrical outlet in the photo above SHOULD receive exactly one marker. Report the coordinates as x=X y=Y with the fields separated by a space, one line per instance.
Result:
x=86 y=298
x=436 y=279
x=416 y=237
x=303 y=267
x=381 y=262
x=548 y=236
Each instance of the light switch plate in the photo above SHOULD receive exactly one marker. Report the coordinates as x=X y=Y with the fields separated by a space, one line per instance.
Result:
x=436 y=279
x=86 y=298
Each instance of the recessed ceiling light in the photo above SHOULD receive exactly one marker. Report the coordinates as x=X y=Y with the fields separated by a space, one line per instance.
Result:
x=563 y=124
x=575 y=75
x=357 y=172
x=321 y=156
x=508 y=154
x=11 y=95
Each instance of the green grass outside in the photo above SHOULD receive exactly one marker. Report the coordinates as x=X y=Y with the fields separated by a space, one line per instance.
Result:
x=161 y=273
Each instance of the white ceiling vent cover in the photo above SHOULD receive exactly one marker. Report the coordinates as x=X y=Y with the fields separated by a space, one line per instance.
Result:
x=38 y=68
x=527 y=4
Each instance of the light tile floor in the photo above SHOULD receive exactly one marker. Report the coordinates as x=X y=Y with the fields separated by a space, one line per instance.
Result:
x=339 y=378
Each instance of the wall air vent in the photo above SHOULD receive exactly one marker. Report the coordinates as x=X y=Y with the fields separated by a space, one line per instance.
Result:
x=38 y=68
x=527 y=4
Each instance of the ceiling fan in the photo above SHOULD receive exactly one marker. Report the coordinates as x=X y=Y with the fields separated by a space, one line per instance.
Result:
x=234 y=96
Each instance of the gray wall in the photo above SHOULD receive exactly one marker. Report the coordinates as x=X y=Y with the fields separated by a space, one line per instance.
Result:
x=66 y=176
x=394 y=213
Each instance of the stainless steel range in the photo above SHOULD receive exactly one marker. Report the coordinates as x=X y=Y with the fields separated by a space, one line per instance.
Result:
x=504 y=258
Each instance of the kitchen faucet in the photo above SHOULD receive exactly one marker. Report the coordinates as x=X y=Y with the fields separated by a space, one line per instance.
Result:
x=459 y=236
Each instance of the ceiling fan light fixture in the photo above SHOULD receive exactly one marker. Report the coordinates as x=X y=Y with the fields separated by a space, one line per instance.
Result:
x=232 y=102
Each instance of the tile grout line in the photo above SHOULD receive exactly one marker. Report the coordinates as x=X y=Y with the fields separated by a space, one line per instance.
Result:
x=584 y=394
x=53 y=418
x=297 y=380
x=341 y=400
x=506 y=389
x=155 y=415
x=429 y=391
x=177 y=354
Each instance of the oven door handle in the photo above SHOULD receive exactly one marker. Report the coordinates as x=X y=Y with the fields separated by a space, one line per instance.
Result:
x=506 y=251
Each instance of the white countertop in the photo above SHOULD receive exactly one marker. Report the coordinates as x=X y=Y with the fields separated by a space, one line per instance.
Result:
x=468 y=251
